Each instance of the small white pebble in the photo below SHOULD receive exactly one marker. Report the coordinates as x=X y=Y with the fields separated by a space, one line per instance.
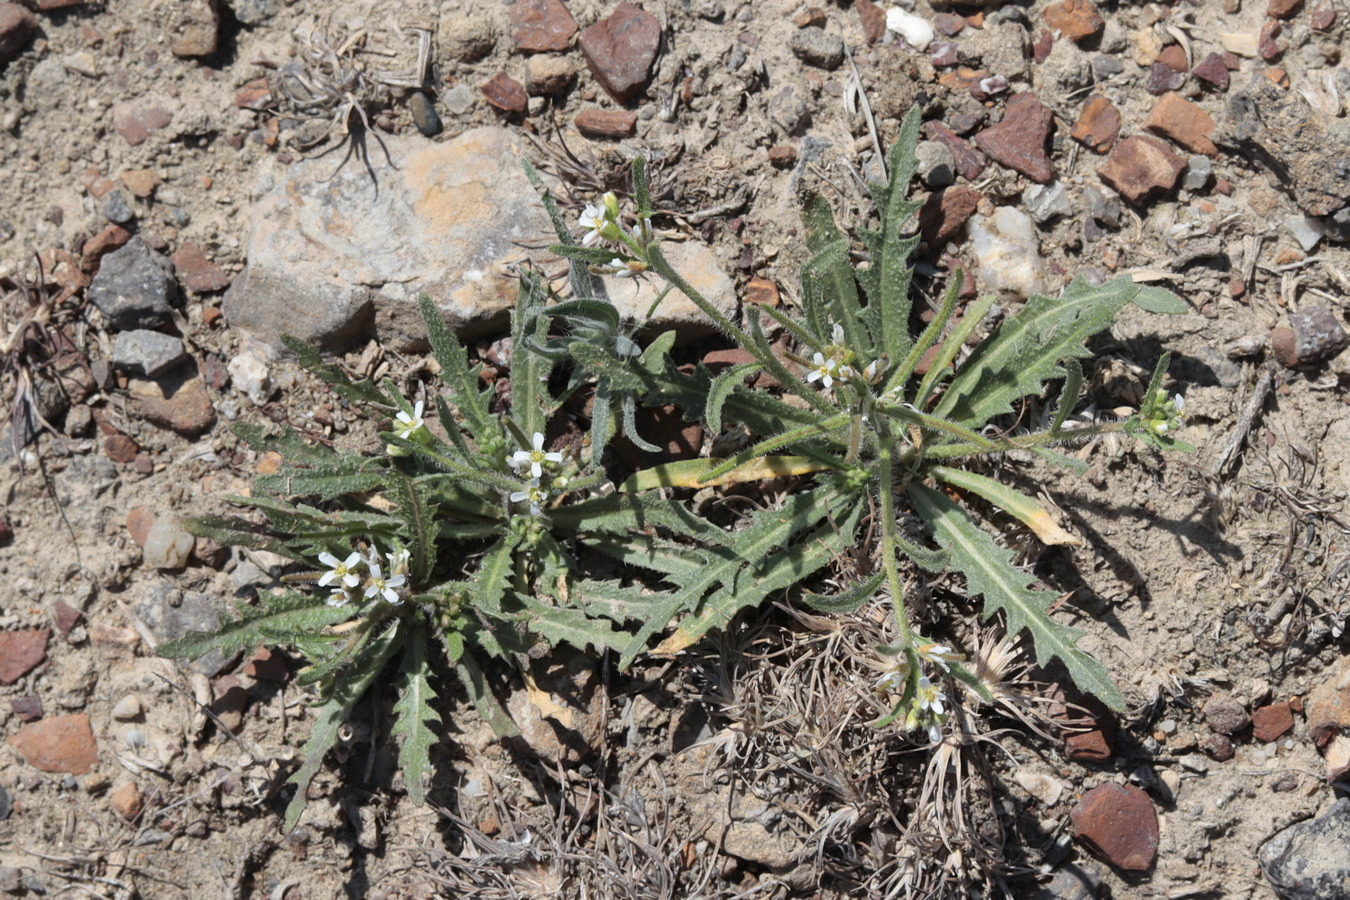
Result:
x=128 y=708
x=916 y=30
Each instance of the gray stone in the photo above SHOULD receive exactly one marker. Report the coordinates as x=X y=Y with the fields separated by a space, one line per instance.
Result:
x=1306 y=230
x=1304 y=148
x=6 y=806
x=170 y=613
x=788 y=110
x=1044 y=202
x=1103 y=66
x=1310 y=860
x=458 y=99
x=818 y=47
x=147 y=352
x=937 y=165
x=1072 y=881
x=1103 y=204
x=339 y=258
x=134 y=287
x=1199 y=169
x=1002 y=49
x=117 y=209
x=255 y=12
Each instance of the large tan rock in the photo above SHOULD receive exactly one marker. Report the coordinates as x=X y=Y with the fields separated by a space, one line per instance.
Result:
x=336 y=259
x=339 y=258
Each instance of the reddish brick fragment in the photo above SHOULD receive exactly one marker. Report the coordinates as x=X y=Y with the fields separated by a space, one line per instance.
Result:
x=607 y=123
x=541 y=25
x=1098 y=124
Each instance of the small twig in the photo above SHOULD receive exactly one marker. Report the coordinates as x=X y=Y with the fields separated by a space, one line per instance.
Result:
x=1229 y=454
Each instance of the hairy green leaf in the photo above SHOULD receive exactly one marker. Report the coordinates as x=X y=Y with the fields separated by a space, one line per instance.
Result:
x=278 y=614
x=990 y=573
x=415 y=717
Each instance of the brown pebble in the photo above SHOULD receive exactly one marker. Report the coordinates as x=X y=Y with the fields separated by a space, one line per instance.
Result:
x=505 y=93
x=945 y=211
x=65 y=617
x=196 y=271
x=1323 y=18
x=1223 y=714
x=607 y=123
x=1140 y=167
x=256 y=95
x=141 y=182
x=1019 y=140
x=873 y=20
x=761 y=292
x=539 y=25
x=970 y=163
x=1163 y=78
x=28 y=709
x=60 y=744
x=1212 y=70
x=184 y=407
x=127 y=801
x=139 y=521
x=811 y=17
x=230 y=703
x=948 y=24
x=1183 y=122
x=783 y=156
x=1098 y=124
x=120 y=448
x=621 y=49
x=1314 y=335
x=1218 y=747
x=547 y=74
x=1269 y=47
x=1119 y=824
x=1272 y=722
x=268 y=665
x=1174 y=58
x=21 y=652
x=1076 y=20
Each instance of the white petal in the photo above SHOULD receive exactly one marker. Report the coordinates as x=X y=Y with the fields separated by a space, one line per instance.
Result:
x=554 y=457
x=536 y=470
x=375 y=570
x=813 y=375
x=352 y=559
x=390 y=595
x=327 y=578
x=538 y=442
x=519 y=496
x=351 y=579
x=396 y=581
x=328 y=559
x=370 y=591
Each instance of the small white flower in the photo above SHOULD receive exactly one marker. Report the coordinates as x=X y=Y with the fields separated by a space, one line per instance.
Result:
x=592 y=219
x=890 y=682
x=621 y=268
x=930 y=698
x=938 y=654
x=935 y=733
x=340 y=569
x=398 y=561
x=409 y=424
x=533 y=493
x=382 y=586
x=838 y=332
x=1179 y=402
x=340 y=596
x=535 y=458
x=825 y=370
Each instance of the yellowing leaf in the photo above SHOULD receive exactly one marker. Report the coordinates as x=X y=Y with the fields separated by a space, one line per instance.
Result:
x=687 y=473
x=1014 y=503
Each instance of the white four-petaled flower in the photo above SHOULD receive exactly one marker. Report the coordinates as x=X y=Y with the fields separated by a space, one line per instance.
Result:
x=340 y=569
x=340 y=596
x=398 y=561
x=592 y=219
x=385 y=587
x=938 y=654
x=930 y=698
x=533 y=493
x=408 y=424
x=535 y=458
x=825 y=370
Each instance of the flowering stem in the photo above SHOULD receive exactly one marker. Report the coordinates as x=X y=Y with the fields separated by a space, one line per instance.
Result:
x=889 y=550
x=657 y=261
x=949 y=451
